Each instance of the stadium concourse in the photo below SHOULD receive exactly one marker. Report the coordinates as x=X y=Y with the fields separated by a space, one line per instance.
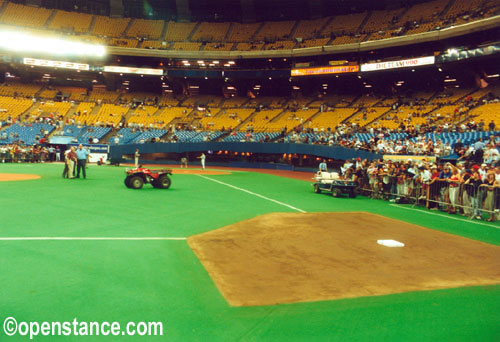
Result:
x=242 y=101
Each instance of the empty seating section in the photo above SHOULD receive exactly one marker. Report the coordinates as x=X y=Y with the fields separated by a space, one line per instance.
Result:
x=135 y=136
x=186 y=46
x=344 y=24
x=144 y=116
x=341 y=29
x=450 y=96
x=122 y=42
x=48 y=94
x=381 y=20
x=13 y=108
x=249 y=46
x=218 y=47
x=86 y=38
x=366 y=101
x=154 y=44
x=76 y=94
x=205 y=136
x=52 y=109
x=202 y=100
x=251 y=136
x=277 y=30
x=487 y=112
x=74 y=130
x=72 y=21
x=290 y=120
x=309 y=29
x=214 y=32
x=420 y=28
x=243 y=32
x=424 y=11
x=110 y=27
x=460 y=7
x=178 y=32
x=101 y=95
x=234 y=102
x=326 y=120
x=19 y=89
x=108 y=115
x=166 y=100
x=365 y=116
x=169 y=114
x=314 y=42
x=226 y=119
x=25 y=15
x=71 y=93
x=93 y=132
x=142 y=28
x=404 y=115
x=138 y=96
x=260 y=119
x=267 y=101
x=82 y=112
x=27 y=134
x=185 y=136
x=347 y=39
x=280 y=45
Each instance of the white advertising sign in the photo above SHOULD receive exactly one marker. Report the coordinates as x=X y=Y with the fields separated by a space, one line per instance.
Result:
x=405 y=63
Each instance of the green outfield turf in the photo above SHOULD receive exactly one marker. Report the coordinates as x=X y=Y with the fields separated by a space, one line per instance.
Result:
x=162 y=280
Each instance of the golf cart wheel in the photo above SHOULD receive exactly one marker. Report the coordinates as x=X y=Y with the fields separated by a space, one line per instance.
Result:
x=136 y=182
x=164 y=182
x=127 y=181
x=317 y=189
x=336 y=192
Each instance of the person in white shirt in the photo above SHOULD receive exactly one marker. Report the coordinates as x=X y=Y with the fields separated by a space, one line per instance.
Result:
x=202 y=159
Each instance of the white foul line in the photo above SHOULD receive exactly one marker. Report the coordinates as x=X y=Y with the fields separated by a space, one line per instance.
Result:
x=254 y=194
x=56 y=238
x=444 y=216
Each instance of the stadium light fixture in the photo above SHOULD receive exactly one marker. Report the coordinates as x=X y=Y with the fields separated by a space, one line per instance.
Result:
x=26 y=42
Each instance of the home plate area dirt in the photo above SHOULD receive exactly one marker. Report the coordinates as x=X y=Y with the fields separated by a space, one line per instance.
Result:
x=8 y=177
x=287 y=258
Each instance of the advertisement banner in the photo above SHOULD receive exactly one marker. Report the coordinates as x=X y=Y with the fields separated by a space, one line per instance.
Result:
x=129 y=70
x=405 y=63
x=55 y=64
x=325 y=70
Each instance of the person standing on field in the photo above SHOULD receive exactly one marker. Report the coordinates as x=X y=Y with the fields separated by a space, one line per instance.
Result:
x=82 y=155
x=136 y=157
x=202 y=159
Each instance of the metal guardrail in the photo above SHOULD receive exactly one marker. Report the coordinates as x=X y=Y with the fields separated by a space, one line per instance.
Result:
x=440 y=194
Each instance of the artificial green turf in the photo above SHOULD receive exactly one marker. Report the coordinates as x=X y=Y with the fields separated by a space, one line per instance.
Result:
x=164 y=281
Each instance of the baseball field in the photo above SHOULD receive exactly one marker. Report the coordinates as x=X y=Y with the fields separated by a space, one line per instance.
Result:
x=236 y=255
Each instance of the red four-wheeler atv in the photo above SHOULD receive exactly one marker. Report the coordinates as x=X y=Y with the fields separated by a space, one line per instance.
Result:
x=158 y=178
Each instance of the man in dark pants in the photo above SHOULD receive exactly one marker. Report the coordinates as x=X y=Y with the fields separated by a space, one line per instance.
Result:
x=81 y=155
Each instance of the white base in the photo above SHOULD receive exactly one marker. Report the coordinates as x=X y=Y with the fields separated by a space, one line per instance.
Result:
x=390 y=243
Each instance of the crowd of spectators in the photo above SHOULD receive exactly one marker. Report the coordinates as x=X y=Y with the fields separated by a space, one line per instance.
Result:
x=467 y=188
x=18 y=152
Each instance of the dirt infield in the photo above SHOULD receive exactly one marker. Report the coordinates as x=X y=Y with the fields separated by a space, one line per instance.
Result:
x=8 y=177
x=287 y=258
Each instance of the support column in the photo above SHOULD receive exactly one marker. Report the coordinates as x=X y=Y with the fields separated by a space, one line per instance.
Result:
x=183 y=11
x=248 y=11
x=116 y=8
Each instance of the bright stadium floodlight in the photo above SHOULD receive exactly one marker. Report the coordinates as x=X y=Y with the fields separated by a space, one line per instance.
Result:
x=26 y=42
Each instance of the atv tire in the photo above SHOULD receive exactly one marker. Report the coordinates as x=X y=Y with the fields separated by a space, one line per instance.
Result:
x=136 y=182
x=127 y=181
x=163 y=182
